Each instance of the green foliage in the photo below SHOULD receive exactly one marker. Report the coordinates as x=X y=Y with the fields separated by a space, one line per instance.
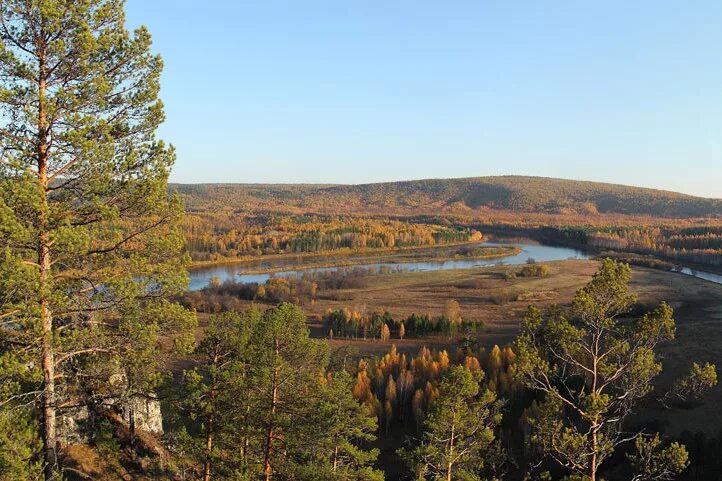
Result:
x=345 y=429
x=592 y=368
x=19 y=445
x=348 y=323
x=458 y=430
x=90 y=245
x=699 y=380
x=654 y=463
x=211 y=394
x=260 y=401
x=105 y=441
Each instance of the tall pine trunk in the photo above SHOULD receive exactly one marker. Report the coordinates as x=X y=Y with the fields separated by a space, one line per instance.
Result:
x=593 y=458
x=209 y=449
x=48 y=367
x=210 y=427
x=44 y=263
x=267 y=468
x=449 y=468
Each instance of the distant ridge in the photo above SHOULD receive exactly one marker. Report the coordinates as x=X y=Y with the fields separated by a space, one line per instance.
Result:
x=539 y=195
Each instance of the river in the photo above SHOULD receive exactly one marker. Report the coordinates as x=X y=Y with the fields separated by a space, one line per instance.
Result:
x=201 y=276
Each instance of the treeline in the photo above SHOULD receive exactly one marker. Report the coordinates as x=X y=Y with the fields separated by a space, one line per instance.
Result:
x=222 y=235
x=376 y=325
x=699 y=245
x=683 y=244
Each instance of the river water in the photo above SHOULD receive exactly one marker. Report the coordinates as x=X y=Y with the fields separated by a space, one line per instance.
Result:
x=707 y=276
x=201 y=276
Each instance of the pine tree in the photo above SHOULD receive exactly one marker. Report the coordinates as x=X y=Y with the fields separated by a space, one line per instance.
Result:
x=19 y=444
x=88 y=244
x=592 y=368
x=210 y=391
x=344 y=430
x=19 y=433
x=285 y=375
x=458 y=430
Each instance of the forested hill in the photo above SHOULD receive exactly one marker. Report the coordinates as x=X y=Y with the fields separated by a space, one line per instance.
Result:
x=461 y=196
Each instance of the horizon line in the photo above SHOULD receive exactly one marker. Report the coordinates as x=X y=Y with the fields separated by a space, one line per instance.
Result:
x=422 y=179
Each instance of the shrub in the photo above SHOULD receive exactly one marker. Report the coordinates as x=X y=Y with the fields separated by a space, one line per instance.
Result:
x=534 y=270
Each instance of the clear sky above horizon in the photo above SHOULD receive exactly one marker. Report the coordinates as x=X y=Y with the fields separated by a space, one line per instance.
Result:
x=367 y=91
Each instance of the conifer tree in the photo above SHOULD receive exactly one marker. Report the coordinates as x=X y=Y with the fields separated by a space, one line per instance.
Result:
x=210 y=390
x=593 y=368
x=88 y=244
x=285 y=374
x=19 y=443
x=458 y=430
x=344 y=430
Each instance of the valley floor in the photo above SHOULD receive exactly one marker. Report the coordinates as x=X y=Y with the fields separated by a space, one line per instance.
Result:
x=487 y=294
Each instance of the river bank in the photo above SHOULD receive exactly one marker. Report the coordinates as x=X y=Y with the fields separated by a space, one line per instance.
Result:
x=481 y=255
x=491 y=253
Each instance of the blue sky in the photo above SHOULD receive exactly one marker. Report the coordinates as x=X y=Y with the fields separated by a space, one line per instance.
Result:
x=364 y=91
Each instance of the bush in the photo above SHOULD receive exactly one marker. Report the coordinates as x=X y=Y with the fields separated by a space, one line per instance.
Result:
x=534 y=270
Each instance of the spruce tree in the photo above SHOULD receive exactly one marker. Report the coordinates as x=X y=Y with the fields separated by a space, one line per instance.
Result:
x=88 y=244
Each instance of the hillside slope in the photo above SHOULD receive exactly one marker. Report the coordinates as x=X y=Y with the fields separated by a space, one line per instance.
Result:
x=466 y=195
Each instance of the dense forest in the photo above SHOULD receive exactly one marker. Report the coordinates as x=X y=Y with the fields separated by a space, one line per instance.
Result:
x=213 y=237
x=217 y=237
x=691 y=245
x=677 y=245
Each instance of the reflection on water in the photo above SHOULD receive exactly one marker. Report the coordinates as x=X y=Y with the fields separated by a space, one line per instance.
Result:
x=708 y=276
x=200 y=277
